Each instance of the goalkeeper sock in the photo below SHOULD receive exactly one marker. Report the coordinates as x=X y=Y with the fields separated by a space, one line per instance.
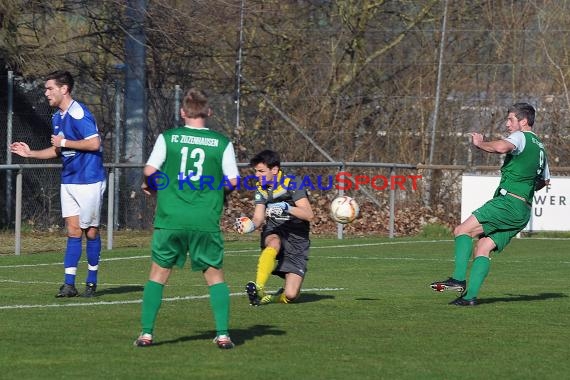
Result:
x=479 y=271
x=93 y=251
x=463 y=250
x=265 y=266
x=71 y=259
x=283 y=299
x=220 y=303
x=152 y=299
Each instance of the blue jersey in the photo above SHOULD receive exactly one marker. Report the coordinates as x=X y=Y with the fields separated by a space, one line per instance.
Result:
x=79 y=167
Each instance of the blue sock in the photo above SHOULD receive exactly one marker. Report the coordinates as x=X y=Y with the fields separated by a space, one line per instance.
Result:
x=71 y=259
x=93 y=250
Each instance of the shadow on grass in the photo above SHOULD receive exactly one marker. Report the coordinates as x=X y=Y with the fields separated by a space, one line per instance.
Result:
x=239 y=336
x=120 y=290
x=523 y=297
x=312 y=297
x=367 y=299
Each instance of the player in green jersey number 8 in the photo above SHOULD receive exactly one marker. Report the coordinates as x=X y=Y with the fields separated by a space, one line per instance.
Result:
x=524 y=171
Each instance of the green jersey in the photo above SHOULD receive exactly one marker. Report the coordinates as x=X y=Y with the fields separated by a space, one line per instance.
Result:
x=194 y=169
x=524 y=165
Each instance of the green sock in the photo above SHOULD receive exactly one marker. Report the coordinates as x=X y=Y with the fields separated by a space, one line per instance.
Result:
x=220 y=302
x=479 y=271
x=463 y=249
x=152 y=299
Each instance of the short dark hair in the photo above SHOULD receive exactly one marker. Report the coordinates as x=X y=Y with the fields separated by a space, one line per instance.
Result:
x=267 y=157
x=523 y=111
x=62 y=78
x=195 y=104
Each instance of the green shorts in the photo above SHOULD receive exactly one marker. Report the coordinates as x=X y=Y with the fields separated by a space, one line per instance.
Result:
x=171 y=247
x=502 y=218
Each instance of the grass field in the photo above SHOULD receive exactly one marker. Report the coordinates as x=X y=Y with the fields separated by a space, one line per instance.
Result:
x=366 y=312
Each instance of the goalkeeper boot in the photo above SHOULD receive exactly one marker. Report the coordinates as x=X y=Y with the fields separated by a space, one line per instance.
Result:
x=224 y=342
x=254 y=292
x=271 y=298
x=144 y=340
x=67 y=290
x=449 y=284
x=90 y=289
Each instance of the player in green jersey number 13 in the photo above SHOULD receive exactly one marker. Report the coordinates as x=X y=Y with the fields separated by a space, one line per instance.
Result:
x=187 y=220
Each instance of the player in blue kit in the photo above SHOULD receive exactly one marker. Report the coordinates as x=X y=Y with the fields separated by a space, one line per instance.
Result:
x=76 y=139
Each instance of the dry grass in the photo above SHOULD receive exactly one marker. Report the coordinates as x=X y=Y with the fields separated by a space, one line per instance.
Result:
x=39 y=242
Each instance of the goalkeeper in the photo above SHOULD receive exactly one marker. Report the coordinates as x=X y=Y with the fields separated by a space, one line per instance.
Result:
x=285 y=214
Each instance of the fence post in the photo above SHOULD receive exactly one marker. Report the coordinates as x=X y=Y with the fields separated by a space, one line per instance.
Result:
x=110 y=208
x=114 y=223
x=177 y=92
x=9 y=129
x=392 y=201
x=339 y=226
x=18 y=222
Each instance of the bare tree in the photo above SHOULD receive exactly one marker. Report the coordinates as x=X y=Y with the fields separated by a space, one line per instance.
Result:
x=357 y=77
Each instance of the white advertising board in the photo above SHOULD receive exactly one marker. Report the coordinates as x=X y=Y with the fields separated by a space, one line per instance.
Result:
x=550 y=207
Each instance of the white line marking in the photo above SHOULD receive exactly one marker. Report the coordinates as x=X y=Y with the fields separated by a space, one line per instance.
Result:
x=231 y=252
x=170 y=299
x=386 y=258
x=30 y=282
x=28 y=265
x=256 y=250
x=106 y=284
x=59 y=283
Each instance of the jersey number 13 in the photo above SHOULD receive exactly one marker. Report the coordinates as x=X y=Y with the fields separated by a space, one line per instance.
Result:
x=198 y=155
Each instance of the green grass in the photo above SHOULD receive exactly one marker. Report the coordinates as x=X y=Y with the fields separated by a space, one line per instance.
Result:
x=366 y=312
x=434 y=231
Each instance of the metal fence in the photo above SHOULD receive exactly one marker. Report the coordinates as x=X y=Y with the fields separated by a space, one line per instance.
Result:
x=35 y=205
x=27 y=118
x=29 y=199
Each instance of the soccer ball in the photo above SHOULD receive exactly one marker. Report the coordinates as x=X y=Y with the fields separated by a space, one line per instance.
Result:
x=344 y=209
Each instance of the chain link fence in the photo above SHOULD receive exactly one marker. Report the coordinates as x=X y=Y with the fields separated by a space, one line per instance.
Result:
x=402 y=211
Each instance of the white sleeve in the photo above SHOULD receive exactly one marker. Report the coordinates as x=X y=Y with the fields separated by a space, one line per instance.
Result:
x=158 y=154
x=518 y=140
x=229 y=165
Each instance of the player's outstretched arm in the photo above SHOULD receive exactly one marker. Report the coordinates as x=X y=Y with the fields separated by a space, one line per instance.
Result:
x=259 y=214
x=245 y=225
x=497 y=146
x=91 y=144
x=22 y=149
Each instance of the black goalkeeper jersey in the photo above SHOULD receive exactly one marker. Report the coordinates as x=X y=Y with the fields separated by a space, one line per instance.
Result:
x=281 y=190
